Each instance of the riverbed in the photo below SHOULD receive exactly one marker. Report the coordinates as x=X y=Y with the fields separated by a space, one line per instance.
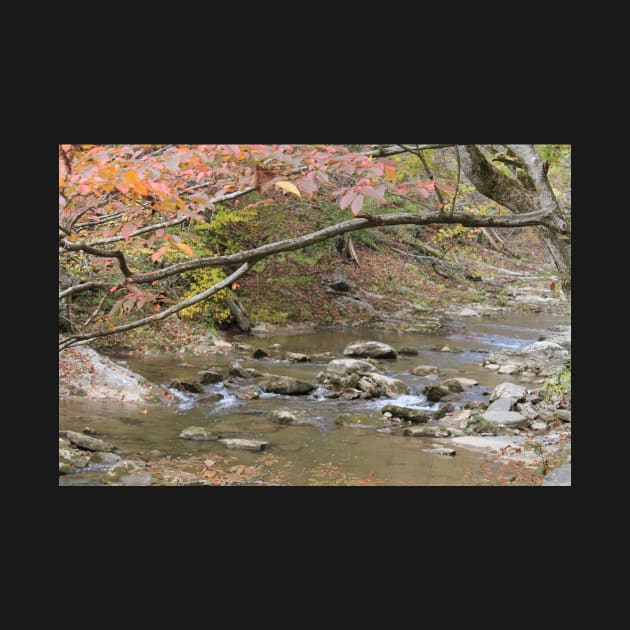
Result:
x=322 y=449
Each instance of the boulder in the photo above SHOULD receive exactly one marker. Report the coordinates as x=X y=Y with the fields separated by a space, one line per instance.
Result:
x=236 y=369
x=342 y=367
x=128 y=472
x=406 y=413
x=246 y=445
x=340 y=282
x=501 y=404
x=277 y=384
x=282 y=416
x=424 y=370
x=297 y=357
x=104 y=459
x=86 y=442
x=373 y=349
x=426 y=430
x=435 y=393
x=184 y=386
x=391 y=386
x=84 y=372
x=509 y=390
x=360 y=421
x=462 y=382
x=208 y=398
x=70 y=459
x=408 y=350
x=458 y=420
x=242 y=347
x=210 y=376
x=538 y=426
x=505 y=418
x=527 y=409
x=558 y=477
x=369 y=387
x=453 y=385
x=563 y=414
x=259 y=353
x=247 y=393
x=198 y=433
x=509 y=369
x=322 y=356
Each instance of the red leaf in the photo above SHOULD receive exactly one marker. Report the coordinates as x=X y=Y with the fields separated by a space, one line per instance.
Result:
x=552 y=286
x=357 y=204
x=347 y=199
x=127 y=230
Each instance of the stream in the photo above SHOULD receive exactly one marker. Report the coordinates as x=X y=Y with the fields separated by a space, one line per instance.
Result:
x=304 y=452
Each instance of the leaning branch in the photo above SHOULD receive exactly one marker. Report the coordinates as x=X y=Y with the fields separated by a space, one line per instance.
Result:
x=76 y=339
x=361 y=222
x=101 y=253
x=77 y=288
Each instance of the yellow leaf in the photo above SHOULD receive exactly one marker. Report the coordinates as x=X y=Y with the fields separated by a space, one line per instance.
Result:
x=185 y=248
x=110 y=325
x=390 y=174
x=289 y=187
x=131 y=177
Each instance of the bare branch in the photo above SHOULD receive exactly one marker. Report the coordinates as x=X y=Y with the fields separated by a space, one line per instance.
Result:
x=101 y=253
x=96 y=310
x=459 y=174
x=75 y=339
x=105 y=219
x=84 y=287
x=396 y=149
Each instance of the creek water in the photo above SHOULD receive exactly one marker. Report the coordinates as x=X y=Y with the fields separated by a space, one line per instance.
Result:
x=303 y=452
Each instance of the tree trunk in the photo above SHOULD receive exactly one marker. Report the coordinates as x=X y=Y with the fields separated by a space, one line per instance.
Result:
x=239 y=313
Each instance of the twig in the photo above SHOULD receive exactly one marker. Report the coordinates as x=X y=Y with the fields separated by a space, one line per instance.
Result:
x=96 y=310
x=459 y=173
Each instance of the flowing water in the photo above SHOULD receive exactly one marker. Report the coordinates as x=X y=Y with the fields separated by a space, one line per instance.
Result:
x=303 y=452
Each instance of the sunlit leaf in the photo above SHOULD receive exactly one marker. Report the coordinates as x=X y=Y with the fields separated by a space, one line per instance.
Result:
x=289 y=187
x=186 y=249
x=347 y=199
x=160 y=252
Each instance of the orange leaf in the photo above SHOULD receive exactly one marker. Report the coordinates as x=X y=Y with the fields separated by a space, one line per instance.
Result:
x=552 y=286
x=390 y=174
x=160 y=252
x=235 y=285
x=186 y=249
x=131 y=177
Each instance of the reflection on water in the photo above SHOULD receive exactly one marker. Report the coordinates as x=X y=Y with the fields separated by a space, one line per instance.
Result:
x=301 y=450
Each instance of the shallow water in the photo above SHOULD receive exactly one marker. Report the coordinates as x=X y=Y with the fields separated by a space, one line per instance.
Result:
x=302 y=452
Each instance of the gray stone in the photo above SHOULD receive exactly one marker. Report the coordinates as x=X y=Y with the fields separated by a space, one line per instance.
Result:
x=342 y=367
x=408 y=350
x=277 y=384
x=104 y=459
x=458 y=420
x=360 y=420
x=283 y=417
x=424 y=370
x=323 y=356
x=297 y=357
x=509 y=390
x=128 y=472
x=366 y=385
x=246 y=445
x=198 y=433
x=340 y=282
x=242 y=347
x=184 y=386
x=87 y=442
x=208 y=398
x=509 y=369
x=463 y=382
x=494 y=443
x=392 y=386
x=236 y=369
x=70 y=459
x=373 y=349
x=440 y=450
x=527 y=409
x=247 y=393
x=210 y=376
x=563 y=414
x=505 y=418
x=435 y=393
x=492 y=366
x=406 y=413
x=538 y=426
x=502 y=404
x=453 y=385
x=558 y=477
x=468 y=312
x=426 y=430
